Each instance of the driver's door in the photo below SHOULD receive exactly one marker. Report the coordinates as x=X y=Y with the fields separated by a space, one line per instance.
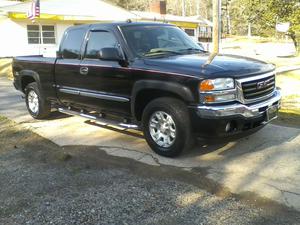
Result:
x=105 y=84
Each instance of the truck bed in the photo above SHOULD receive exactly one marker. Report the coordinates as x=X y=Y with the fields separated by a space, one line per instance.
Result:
x=38 y=67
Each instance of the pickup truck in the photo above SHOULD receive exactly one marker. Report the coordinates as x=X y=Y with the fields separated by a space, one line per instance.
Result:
x=151 y=77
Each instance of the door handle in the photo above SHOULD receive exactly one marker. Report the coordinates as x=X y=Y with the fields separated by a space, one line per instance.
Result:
x=84 y=70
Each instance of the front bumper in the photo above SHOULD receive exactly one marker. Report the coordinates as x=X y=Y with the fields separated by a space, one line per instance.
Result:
x=211 y=120
x=238 y=109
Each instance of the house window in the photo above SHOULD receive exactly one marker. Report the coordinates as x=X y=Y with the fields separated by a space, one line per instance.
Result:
x=33 y=33
x=48 y=34
x=190 y=32
x=41 y=34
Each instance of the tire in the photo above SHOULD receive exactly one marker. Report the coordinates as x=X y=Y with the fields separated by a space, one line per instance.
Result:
x=36 y=105
x=159 y=133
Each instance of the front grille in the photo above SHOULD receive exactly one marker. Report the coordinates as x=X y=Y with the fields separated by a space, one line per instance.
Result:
x=258 y=88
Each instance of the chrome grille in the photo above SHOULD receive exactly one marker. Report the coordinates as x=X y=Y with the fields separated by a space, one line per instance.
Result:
x=258 y=88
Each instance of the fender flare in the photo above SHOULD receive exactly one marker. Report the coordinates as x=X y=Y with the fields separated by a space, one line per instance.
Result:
x=30 y=73
x=171 y=87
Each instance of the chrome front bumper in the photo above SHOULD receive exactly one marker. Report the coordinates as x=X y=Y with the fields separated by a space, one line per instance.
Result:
x=239 y=109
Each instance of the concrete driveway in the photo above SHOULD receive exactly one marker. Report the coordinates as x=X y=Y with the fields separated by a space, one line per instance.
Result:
x=266 y=163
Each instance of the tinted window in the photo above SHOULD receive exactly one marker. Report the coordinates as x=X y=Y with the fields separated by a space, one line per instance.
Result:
x=99 y=40
x=72 y=44
x=145 y=40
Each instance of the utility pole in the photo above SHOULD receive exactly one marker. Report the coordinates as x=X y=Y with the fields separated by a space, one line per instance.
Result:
x=228 y=28
x=198 y=7
x=216 y=31
x=183 y=7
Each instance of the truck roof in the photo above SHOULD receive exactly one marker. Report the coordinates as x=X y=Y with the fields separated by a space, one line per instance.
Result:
x=120 y=24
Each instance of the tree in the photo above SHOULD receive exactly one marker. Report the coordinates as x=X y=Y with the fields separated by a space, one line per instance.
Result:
x=263 y=15
x=288 y=11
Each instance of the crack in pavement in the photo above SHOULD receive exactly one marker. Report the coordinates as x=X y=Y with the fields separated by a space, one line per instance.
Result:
x=282 y=190
x=156 y=160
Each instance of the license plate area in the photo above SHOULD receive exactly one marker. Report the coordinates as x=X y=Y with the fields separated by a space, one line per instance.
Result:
x=272 y=113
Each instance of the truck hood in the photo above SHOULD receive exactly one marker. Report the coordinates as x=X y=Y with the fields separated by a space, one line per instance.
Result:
x=222 y=65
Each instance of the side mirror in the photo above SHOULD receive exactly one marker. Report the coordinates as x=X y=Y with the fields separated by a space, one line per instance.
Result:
x=110 y=54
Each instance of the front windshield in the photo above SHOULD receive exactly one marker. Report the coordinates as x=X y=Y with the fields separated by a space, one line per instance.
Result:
x=158 y=40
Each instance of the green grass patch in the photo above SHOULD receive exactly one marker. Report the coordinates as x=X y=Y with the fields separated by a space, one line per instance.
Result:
x=293 y=74
x=290 y=112
x=2 y=118
x=289 y=118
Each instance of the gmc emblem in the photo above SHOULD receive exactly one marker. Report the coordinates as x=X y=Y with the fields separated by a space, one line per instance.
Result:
x=262 y=84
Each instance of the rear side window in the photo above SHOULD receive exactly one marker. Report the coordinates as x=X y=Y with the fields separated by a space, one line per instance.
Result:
x=72 y=44
x=99 y=40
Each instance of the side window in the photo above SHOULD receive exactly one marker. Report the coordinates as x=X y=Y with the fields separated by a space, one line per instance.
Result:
x=72 y=44
x=99 y=40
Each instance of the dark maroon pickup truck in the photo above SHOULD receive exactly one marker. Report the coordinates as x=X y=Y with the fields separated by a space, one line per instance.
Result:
x=152 y=77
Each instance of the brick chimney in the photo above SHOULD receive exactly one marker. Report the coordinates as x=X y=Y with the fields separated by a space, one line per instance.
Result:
x=158 y=6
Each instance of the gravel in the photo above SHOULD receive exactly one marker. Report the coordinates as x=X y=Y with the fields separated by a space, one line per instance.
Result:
x=42 y=183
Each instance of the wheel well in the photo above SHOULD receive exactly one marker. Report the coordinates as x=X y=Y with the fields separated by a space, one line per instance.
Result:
x=145 y=96
x=26 y=80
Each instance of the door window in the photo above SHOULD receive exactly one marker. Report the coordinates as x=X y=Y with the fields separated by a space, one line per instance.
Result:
x=99 y=40
x=71 y=46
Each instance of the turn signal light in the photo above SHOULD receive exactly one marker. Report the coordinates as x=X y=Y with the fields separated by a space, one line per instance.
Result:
x=206 y=85
x=209 y=98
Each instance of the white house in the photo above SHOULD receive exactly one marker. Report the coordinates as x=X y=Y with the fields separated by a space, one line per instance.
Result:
x=19 y=36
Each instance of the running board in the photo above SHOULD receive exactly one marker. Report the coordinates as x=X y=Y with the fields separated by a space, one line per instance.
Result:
x=98 y=119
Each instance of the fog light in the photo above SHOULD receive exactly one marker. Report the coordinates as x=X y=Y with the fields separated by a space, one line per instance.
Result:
x=214 y=98
x=224 y=98
x=231 y=126
x=228 y=127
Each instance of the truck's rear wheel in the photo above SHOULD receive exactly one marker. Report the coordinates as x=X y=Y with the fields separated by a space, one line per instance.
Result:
x=37 y=106
x=167 y=126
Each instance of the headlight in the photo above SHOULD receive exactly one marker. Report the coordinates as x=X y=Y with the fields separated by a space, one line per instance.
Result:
x=216 y=84
x=217 y=90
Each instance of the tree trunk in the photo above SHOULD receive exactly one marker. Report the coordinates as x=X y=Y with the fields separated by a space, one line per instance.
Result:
x=295 y=41
x=249 y=30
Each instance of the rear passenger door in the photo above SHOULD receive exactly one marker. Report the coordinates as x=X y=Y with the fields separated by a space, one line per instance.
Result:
x=67 y=68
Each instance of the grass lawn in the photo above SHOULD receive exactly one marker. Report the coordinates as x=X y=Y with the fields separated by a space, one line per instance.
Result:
x=5 y=67
x=290 y=85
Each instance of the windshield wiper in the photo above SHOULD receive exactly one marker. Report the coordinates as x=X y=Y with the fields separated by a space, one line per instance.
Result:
x=193 y=49
x=162 y=51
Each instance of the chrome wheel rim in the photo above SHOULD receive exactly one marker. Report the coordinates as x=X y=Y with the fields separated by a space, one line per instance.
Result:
x=162 y=129
x=33 y=101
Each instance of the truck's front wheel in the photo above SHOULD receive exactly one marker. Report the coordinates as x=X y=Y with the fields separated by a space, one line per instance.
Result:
x=37 y=106
x=167 y=127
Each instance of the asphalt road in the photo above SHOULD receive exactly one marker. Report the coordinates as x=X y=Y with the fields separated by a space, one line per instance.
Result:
x=266 y=164
x=43 y=183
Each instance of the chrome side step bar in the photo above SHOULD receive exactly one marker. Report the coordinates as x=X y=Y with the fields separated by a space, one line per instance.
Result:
x=99 y=119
